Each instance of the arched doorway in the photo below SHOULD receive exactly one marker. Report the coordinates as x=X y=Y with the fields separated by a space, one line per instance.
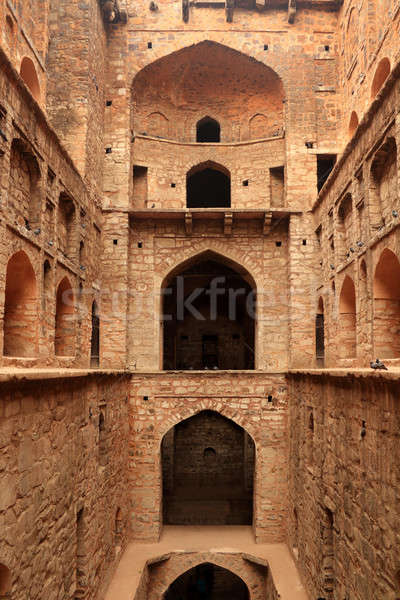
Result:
x=208 y=130
x=208 y=185
x=95 y=339
x=208 y=582
x=320 y=334
x=208 y=471
x=209 y=316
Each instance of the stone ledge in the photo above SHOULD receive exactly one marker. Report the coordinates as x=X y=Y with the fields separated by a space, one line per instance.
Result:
x=19 y=374
x=393 y=374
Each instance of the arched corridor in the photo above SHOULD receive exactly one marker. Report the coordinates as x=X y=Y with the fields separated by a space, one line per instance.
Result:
x=208 y=469
x=209 y=316
x=208 y=582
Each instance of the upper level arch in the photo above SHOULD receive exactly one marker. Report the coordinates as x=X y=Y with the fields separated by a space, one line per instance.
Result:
x=208 y=130
x=30 y=77
x=207 y=78
x=381 y=74
x=208 y=185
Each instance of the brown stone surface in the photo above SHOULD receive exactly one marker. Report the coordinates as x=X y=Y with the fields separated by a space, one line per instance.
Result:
x=101 y=213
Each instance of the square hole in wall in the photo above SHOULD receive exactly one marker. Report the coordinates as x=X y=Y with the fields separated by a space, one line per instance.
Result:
x=149 y=45
x=115 y=242
x=108 y=102
x=173 y=185
x=140 y=245
x=278 y=244
x=265 y=46
x=245 y=183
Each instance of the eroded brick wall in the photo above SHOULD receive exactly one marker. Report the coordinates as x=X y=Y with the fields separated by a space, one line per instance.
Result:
x=344 y=460
x=51 y=468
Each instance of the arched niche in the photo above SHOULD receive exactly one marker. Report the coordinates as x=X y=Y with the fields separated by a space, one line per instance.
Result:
x=353 y=124
x=157 y=125
x=216 y=327
x=30 y=77
x=386 y=289
x=208 y=464
x=347 y=319
x=24 y=199
x=208 y=185
x=65 y=319
x=208 y=581
x=381 y=74
x=20 y=308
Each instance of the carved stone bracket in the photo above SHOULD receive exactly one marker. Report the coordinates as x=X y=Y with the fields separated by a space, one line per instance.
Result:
x=229 y=8
x=292 y=8
x=267 y=222
x=185 y=10
x=228 y=221
x=188 y=223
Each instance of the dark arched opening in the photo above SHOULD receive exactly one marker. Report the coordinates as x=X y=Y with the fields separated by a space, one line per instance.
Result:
x=209 y=317
x=95 y=340
x=208 y=582
x=208 y=470
x=208 y=130
x=320 y=334
x=208 y=186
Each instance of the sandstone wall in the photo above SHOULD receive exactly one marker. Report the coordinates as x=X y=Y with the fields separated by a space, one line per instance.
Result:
x=344 y=481
x=57 y=458
x=258 y=404
x=37 y=180
x=356 y=219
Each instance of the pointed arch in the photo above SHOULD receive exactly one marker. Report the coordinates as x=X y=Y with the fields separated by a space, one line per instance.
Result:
x=208 y=310
x=157 y=125
x=208 y=130
x=381 y=74
x=20 y=307
x=206 y=76
x=208 y=185
x=353 y=124
x=65 y=319
x=208 y=465
x=30 y=77
x=258 y=127
x=347 y=319
x=202 y=577
x=386 y=290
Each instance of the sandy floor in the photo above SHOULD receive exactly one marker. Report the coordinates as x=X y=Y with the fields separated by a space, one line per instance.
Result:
x=218 y=539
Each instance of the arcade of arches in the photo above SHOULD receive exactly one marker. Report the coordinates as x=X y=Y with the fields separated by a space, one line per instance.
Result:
x=199 y=268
